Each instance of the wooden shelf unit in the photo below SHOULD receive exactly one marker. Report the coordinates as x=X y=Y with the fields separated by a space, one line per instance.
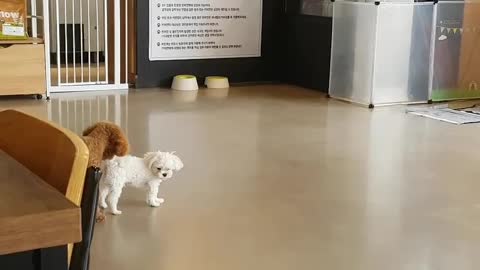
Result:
x=22 y=67
x=22 y=41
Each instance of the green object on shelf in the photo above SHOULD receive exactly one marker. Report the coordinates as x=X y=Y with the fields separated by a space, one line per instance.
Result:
x=13 y=20
x=453 y=94
x=2 y=37
x=12 y=37
x=185 y=77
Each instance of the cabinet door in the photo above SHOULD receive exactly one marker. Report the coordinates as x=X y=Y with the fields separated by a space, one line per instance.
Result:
x=22 y=69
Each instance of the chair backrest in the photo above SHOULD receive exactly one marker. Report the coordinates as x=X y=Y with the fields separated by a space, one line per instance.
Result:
x=53 y=153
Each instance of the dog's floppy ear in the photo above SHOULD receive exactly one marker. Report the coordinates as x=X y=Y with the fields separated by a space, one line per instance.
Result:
x=150 y=158
x=177 y=161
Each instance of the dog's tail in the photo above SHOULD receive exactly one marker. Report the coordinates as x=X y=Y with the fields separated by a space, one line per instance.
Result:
x=115 y=141
x=99 y=125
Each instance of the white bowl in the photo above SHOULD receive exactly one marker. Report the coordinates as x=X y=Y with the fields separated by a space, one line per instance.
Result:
x=217 y=82
x=185 y=83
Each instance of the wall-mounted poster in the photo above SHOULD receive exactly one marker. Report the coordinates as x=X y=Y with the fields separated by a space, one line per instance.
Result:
x=202 y=29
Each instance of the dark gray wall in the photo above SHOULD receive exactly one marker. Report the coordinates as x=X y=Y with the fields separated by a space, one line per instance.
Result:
x=263 y=69
x=308 y=48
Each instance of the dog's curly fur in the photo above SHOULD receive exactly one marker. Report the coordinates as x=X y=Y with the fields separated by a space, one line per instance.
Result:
x=147 y=172
x=104 y=141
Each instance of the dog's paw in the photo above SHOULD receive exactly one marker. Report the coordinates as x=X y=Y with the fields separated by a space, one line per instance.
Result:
x=116 y=212
x=103 y=205
x=155 y=202
x=100 y=218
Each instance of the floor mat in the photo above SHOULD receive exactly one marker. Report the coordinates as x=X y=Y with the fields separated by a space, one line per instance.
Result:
x=446 y=115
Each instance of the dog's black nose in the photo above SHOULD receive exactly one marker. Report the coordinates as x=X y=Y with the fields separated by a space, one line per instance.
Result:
x=164 y=175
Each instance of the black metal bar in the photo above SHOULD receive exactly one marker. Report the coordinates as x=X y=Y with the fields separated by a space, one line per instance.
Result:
x=81 y=251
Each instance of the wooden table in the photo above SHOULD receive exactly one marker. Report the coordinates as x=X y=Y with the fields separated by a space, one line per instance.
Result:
x=36 y=221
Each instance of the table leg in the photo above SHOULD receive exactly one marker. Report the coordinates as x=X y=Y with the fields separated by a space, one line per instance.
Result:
x=54 y=258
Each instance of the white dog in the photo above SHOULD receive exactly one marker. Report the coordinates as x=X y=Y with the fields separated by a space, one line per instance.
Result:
x=148 y=172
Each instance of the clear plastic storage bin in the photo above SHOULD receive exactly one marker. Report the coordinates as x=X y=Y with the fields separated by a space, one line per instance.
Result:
x=381 y=52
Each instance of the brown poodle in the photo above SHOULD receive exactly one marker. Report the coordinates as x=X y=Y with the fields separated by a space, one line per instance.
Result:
x=104 y=141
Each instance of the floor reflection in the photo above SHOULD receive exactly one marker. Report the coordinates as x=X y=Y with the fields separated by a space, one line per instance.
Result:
x=279 y=177
x=185 y=96
x=217 y=93
x=78 y=111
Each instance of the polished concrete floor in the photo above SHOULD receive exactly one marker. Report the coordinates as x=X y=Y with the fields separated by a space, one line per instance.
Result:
x=281 y=178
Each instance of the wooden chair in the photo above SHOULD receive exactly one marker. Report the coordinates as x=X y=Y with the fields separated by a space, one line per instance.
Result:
x=55 y=154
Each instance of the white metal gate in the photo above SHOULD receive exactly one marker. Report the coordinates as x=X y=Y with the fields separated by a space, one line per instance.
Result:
x=84 y=50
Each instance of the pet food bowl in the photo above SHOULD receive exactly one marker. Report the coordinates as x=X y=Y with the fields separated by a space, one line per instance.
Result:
x=217 y=82
x=185 y=83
